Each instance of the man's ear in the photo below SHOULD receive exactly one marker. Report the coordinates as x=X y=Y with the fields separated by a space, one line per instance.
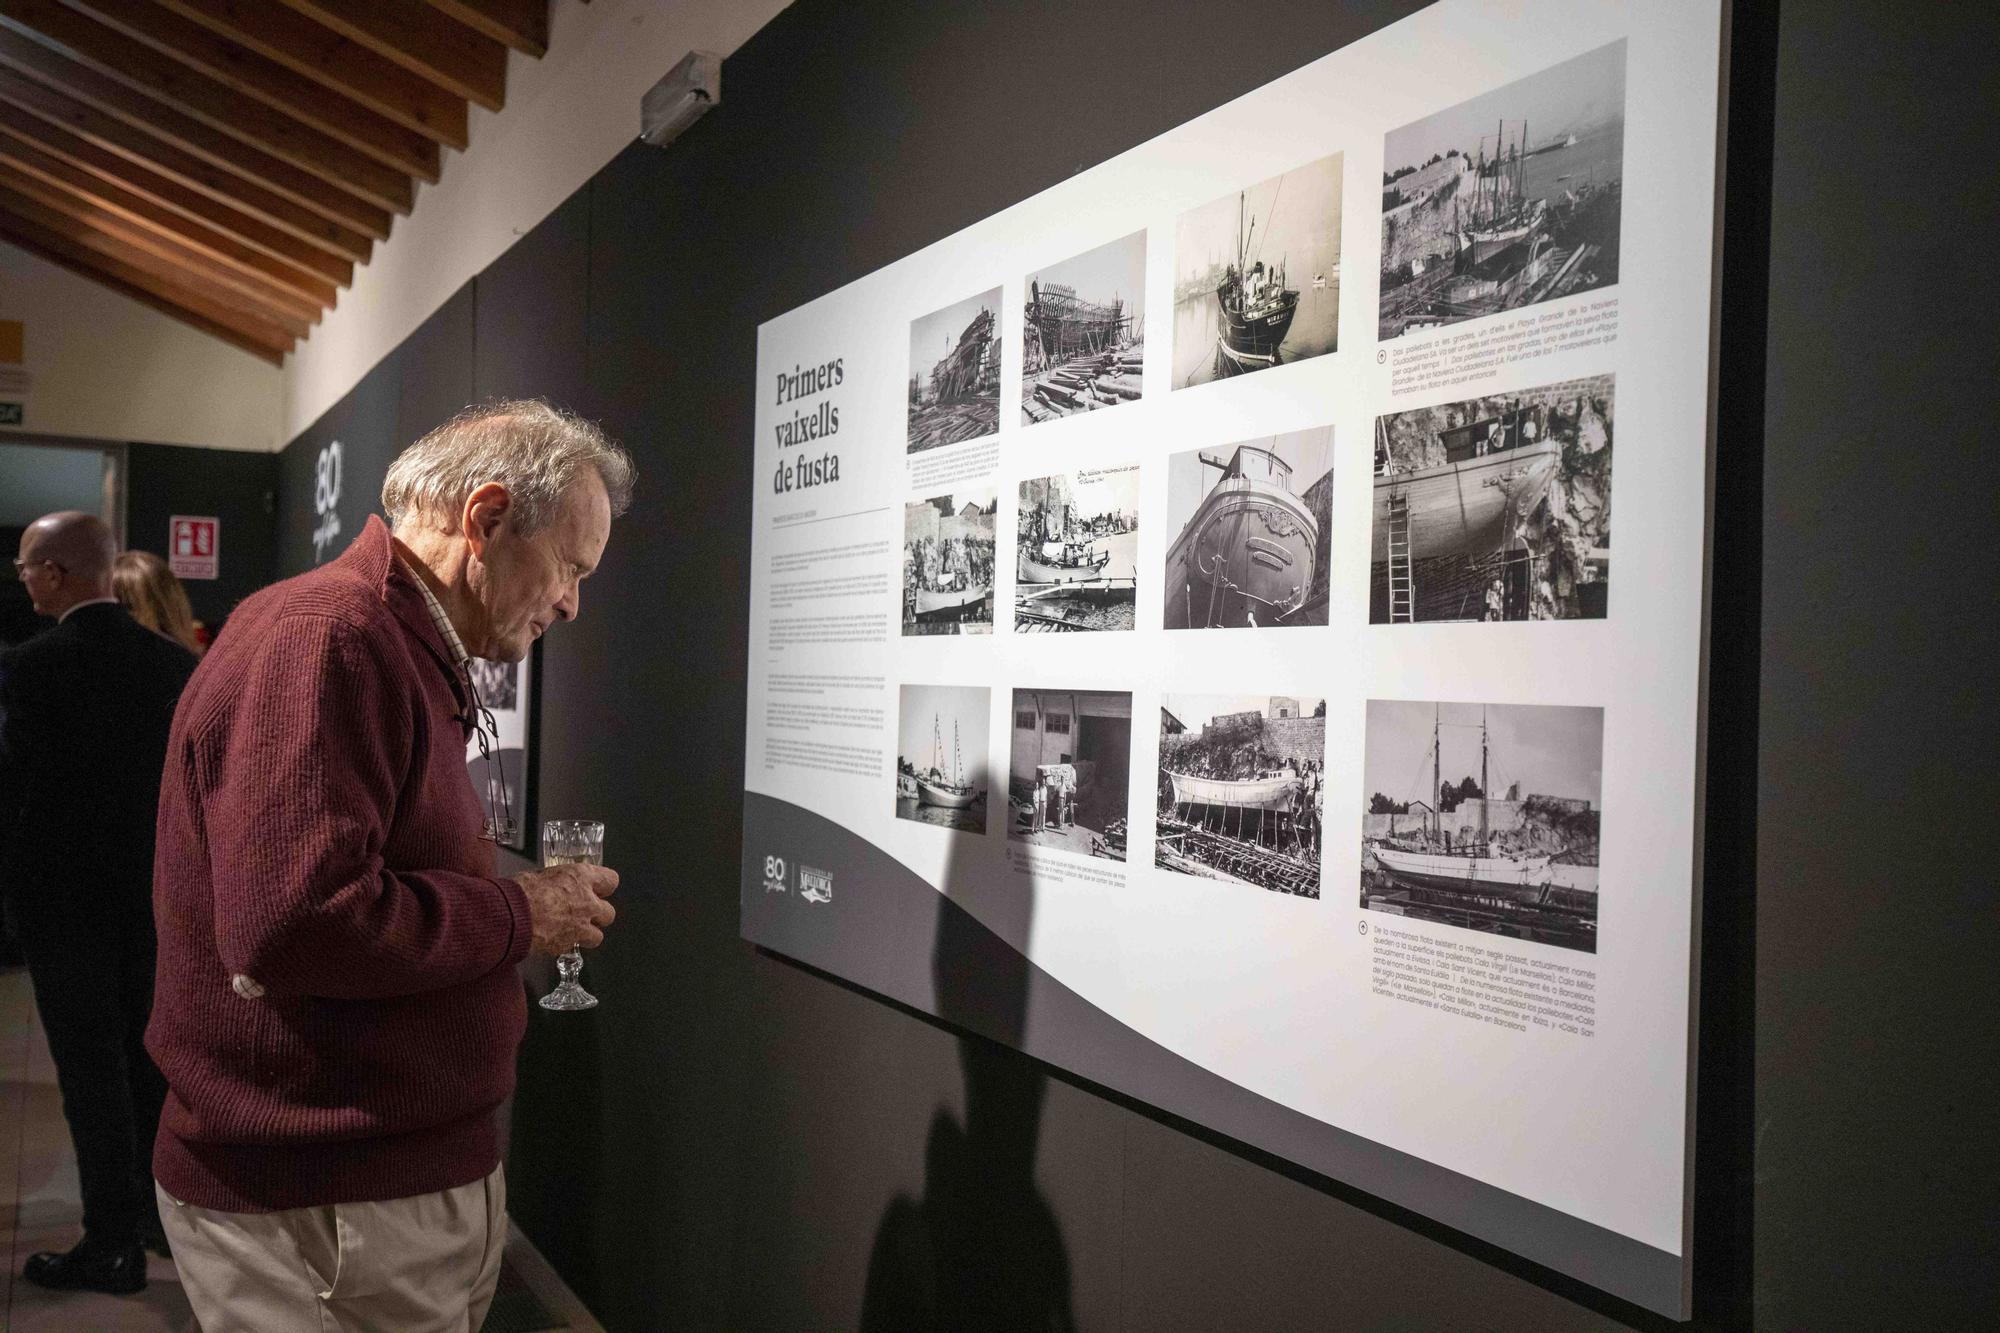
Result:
x=485 y=509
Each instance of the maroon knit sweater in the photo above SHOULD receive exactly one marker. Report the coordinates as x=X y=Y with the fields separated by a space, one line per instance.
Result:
x=318 y=834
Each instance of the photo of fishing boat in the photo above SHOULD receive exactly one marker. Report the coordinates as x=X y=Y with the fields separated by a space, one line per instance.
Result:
x=941 y=768
x=954 y=387
x=1252 y=529
x=1069 y=771
x=1083 y=331
x=1076 y=552
x=1240 y=789
x=1506 y=200
x=1512 y=851
x=948 y=557
x=1495 y=508
x=1260 y=282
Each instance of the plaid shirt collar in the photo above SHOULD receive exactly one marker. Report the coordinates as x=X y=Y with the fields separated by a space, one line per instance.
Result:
x=445 y=631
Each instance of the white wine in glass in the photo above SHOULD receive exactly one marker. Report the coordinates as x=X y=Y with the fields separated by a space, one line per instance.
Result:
x=571 y=842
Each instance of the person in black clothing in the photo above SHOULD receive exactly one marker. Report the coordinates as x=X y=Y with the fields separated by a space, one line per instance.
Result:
x=84 y=712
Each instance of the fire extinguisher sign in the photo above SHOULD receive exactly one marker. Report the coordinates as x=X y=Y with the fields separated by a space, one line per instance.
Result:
x=193 y=546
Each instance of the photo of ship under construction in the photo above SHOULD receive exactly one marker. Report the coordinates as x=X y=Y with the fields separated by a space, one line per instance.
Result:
x=1076 y=558
x=1495 y=508
x=1083 y=332
x=941 y=769
x=1257 y=276
x=955 y=373
x=1512 y=851
x=948 y=563
x=1070 y=771
x=1241 y=784
x=1507 y=200
x=1252 y=528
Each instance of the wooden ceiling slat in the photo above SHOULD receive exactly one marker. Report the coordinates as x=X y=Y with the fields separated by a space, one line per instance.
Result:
x=208 y=117
x=260 y=336
x=421 y=40
x=173 y=198
x=521 y=24
x=184 y=133
x=336 y=62
x=169 y=264
x=117 y=136
x=256 y=76
x=53 y=181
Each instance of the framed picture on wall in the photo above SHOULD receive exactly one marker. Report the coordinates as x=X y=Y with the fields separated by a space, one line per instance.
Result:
x=504 y=776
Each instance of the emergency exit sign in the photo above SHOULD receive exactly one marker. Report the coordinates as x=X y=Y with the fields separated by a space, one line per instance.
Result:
x=193 y=546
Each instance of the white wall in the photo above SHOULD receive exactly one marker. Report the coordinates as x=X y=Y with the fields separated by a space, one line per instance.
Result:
x=105 y=367
x=566 y=115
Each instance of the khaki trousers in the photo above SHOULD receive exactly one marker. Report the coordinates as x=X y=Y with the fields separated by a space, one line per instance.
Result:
x=427 y=1264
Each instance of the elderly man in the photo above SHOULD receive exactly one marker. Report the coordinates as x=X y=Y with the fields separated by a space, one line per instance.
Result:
x=84 y=711
x=338 y=1009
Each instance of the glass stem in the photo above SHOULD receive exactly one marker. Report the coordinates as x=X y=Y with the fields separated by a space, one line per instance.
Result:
x=568 y=965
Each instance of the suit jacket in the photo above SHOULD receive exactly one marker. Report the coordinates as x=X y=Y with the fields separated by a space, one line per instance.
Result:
x=84 y=713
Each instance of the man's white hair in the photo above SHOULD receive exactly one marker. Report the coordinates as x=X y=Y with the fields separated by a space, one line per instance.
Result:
x=537 y=451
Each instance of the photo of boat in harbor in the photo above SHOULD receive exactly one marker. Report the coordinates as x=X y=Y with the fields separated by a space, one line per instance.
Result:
x=1507 y=200
x=954 y=388
x=948 y=557
x=1252 y=527
x=1083 y=332
x=941 y=768
x=1076 y=558
x=1495 y=508
x=1257 y=276
x=1512 y=851
x=1241 y=789
x=1069 y=771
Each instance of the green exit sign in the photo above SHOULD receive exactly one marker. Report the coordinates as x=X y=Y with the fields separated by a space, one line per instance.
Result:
x=10 y=414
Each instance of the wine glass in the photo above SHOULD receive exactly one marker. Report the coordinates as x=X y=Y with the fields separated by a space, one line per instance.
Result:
x=571 y=842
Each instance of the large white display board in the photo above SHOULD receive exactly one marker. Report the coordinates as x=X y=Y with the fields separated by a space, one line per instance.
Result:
x=1187 y=640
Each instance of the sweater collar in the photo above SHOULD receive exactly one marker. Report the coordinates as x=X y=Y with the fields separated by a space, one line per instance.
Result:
x=372 y=557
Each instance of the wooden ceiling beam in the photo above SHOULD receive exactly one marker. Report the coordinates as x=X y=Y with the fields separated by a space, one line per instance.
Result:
x=421 y=40
x=145 y=252
x=521 y=24
x=57 y=183
x=258 y=77
x=173 y=199
x=118 y=137
x=260 y=339
x=204 y=115
x=335 y=62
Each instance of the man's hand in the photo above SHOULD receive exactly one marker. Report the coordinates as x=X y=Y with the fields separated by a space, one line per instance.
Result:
x=567 y=905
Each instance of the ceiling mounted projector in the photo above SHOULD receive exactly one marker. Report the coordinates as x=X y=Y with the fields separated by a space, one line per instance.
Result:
x=678 y=100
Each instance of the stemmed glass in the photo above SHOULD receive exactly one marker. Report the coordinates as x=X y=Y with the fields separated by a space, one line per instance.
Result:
x=571 y=842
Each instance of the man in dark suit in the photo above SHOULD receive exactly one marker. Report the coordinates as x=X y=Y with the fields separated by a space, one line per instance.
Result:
x=84 y=713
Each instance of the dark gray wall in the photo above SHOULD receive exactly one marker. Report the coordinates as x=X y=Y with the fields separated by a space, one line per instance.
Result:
x=240 y=489
x=732 y=1142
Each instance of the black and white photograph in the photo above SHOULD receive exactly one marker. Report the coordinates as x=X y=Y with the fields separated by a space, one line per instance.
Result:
x=497 y=755
x=955 y=373
x=1241 y=786
x=1506 y=200
x=1076 y=556
x=941 y=766
x=1484 y=817
x=1257 y=276
x=1069 y=773
x=948 y=563
x=1083 y=332
x=1251 y=525
x=1494 y=508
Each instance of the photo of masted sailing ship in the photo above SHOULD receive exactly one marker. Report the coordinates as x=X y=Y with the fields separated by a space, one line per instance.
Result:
x=1083 y=332
x=1479 y=217
x=1252 y=533
x=941 y=756
x=1241 y=788
x=948 y=554
x=954 y=389
x=1522 y=864
x=1495 y=508
x=1076 y=552
x=1259 y=281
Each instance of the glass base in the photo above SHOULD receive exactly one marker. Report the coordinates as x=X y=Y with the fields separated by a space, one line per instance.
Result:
x=569 y=996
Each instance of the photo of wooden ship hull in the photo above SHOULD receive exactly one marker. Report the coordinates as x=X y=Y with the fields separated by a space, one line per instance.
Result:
x=955 y=395
x=1239 y=798
x=942 y=605
x=1061 y=562
x=1255 y=306
x=935 y=785
x=1247 y=555
x=1075 y=559
x=1276 y=793
x=1083 y=353
x=948 y=563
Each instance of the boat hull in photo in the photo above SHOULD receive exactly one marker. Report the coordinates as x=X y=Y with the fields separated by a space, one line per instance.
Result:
x=1460 y=508
x=1245 y=556
x=944 y=795
x=1497 y=876
x=1251 y=794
